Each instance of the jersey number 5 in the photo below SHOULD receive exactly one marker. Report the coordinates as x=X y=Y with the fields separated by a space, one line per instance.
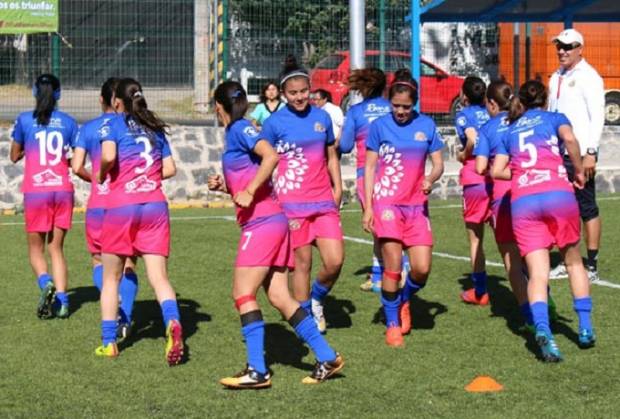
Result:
x=49 y=143
x=529 y=148
x=146 y=154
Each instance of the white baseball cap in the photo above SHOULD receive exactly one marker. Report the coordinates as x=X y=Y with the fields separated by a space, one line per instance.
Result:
x=569 y=36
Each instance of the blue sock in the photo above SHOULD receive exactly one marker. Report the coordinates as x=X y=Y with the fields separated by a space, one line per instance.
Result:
x=391 y=304
x=98 y=277
x=540 y=315
x=376 y=273
x=254 y=335
x=307 y=306
x=43 y=279
x=62 y=298
x=583 y=308
x=108 y=331
x=526 y=312
x=307 y=330
x=170 y=311
x=319 y=291
x=128 y=289
x=410 y=288
x=480 y=282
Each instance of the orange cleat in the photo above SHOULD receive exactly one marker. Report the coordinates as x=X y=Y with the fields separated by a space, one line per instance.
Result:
x=470 y=297
x=393 y=336
x=405 y=318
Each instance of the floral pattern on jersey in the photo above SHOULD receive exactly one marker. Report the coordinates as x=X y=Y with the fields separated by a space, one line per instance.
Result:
x=296 y=168
x=393 y=173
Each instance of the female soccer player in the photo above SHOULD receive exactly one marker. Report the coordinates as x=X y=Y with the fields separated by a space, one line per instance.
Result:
x=498 y=96
x=45 y=137
x=476 y=188
x=370 y=82
x=88 y=143
x=396 y=191
x=309 y=188
x=269 y=103
x=544 y=208
x=264 y=254
x=136 y=155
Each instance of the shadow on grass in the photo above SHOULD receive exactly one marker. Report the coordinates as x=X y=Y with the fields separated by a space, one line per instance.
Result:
x=423 y=313
x=282 y=346
x=337 y=312
x=82 y=295
x=148 y=324
x=363 y=271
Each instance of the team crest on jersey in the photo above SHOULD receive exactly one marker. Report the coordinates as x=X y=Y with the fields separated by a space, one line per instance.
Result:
x=294 y=225
x=461 y=121
x=104 y=131
x=47 y=178
x=387 y=215
x=318 y=127
x=420 y=136
x=141 y=184
x=250 y=131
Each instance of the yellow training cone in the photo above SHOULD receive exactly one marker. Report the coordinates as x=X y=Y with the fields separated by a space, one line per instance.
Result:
x=483 y=384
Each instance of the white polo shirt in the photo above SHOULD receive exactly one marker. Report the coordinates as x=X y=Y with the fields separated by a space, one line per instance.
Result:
x=580 y=95
x=336 y=115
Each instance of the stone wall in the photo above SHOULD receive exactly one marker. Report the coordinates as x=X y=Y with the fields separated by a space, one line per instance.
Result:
x=197 y=151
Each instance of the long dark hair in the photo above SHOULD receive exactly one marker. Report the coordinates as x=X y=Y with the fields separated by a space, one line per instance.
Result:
x=129 y=91
x=474 y=90
x=291 y=70
x=532 y=94
x=233 y=98
x=263 y=91
x=370 y=82
x=500 y=92
x=107 y=90
x=46 y=91
x=403 y=82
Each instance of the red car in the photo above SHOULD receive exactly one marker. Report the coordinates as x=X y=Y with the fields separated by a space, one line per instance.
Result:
x=439 y=91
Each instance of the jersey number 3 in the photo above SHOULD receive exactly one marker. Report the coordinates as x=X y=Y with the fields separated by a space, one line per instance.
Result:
x=146 y=154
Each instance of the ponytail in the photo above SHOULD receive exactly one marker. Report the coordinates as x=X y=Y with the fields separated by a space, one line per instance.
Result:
x=370 y=82
x=532 y=95
x=231 y=95
x=129 y=91
x=46 y=91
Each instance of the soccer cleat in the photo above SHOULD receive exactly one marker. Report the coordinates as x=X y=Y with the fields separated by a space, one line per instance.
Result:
x=553 y=309
x=394 y=337
x=548 y=347
x=470 y=297
x=248 y=378
x=371 y=286
x=174 y=343
x=63 y=311
x=592 y=274
x=46 y=301
x=123 y=331
x=559 y=272
x=404 y=314
x=587 y=338
x=319 y=317
x=323 y=370
x=109 y=351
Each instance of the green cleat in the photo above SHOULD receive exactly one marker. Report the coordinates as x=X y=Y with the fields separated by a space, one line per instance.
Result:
x=549 y=349
x=46 y=300
x=63 y=311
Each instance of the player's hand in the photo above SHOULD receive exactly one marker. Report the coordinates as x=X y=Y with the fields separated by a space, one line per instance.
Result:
x=98 y=177
x=580 y=180
x=216 y=183
x=589 y=166
x=243 y=199
x=427 y=186
x=337 y=197
x=367 y=220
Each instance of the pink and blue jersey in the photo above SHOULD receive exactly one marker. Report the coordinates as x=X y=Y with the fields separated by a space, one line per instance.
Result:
x=89 y=139
x=535 y=153
x=474 y=116
x=136 y=176
x=302 y=184
x=240 y=165
x=357 y=127
x=489 y=136
x=402 y=150
x=47 y=150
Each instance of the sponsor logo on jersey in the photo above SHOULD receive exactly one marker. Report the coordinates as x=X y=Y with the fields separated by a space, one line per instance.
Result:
x=461 y=120
x=47 y=178
x=374 y=108
x=318 y=127
x=104 y=131
x=250 y=132
x=140 y=184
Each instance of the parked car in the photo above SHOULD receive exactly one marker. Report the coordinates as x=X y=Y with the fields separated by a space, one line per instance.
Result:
x=439 y=90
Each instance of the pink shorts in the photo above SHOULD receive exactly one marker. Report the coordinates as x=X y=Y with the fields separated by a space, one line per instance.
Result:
x=502 y=220
x=306 y=230
x=45 y=210
x=408 y=224
x=541 y=221
x=477 y=203
x=137 y=229
x=265 y=242
x=94 y=223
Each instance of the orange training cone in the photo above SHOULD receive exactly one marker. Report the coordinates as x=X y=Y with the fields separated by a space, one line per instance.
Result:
x=483 y=384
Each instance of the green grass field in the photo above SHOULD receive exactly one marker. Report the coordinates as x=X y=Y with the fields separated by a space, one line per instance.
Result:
x=48 y=368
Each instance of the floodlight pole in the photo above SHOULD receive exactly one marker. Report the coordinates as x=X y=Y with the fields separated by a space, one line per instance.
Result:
x=201 y=56
x=357 y=34
x=415 y=42
x=382 y=34
x=516 y=56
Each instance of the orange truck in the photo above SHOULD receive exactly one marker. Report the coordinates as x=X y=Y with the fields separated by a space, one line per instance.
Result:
x=601 y=49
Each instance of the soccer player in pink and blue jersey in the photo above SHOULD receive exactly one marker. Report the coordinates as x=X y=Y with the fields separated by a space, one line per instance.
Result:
x=544 y=207
x=476 y=188
x=45 y=137
x=88 y=143
x=264 y=254
x=136 y=155
x=309 y=188
x=396 y=189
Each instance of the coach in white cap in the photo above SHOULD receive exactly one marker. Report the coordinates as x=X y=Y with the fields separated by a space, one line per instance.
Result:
x=576 y=90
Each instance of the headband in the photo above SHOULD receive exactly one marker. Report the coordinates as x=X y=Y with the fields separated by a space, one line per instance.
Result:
x=137 y=93
x=406 y=83
x=236 y=94
x=296 y=73
x=35 y=92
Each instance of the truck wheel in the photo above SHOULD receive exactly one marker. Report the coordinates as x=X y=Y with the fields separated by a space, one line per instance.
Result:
x=612 y=108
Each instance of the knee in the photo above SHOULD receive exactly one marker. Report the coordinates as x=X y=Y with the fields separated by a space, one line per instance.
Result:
x=278 y=298
x=333 y=266
x=421 y=272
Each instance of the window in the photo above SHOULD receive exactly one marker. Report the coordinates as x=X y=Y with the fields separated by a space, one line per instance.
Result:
x=331 y=62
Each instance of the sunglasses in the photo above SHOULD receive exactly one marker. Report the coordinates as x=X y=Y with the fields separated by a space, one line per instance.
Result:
x=566 y=47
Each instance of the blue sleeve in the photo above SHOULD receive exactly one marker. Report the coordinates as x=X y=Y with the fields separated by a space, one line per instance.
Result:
x=330 y=140
x=461 y=123
x=108 y=131
x=482 y=146
x=80 y=139
x=435 y=142
x=268 y=132
x=248 y=138
x=165 y=150
x=74 y=130
x=373 y=142
x=559 y=120
x=18 y=132
x=502 y=144
x=347 y=137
